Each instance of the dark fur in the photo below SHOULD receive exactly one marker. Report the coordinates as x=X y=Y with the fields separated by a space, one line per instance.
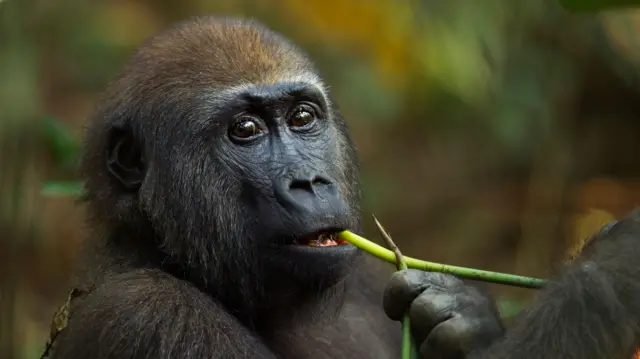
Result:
x=178 y=262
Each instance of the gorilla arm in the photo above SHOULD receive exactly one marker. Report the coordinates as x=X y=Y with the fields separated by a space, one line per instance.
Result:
x=150 y=314
x=591 y=310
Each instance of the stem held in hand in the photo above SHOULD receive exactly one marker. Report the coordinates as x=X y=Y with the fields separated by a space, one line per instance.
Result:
x=408 y=349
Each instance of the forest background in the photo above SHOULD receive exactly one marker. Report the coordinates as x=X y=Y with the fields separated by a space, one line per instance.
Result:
x=492 y=133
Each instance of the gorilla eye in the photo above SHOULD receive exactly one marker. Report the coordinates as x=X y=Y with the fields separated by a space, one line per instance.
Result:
x=246 y=128
x=302 y=116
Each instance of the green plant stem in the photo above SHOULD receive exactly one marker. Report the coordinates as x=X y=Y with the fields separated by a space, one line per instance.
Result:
x=462 y=272
x=408 y=347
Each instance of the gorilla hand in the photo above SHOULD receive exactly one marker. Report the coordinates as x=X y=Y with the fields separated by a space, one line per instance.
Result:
x=449 y=319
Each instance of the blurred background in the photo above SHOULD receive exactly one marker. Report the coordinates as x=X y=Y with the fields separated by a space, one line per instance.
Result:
x=492 y=133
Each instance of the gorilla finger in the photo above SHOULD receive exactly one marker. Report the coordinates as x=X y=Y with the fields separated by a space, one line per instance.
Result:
x=406 y=285
x=403 y=287
x=430 y=309
x=449 y=340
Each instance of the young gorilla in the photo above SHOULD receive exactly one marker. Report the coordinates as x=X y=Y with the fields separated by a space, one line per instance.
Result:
x=217 y=171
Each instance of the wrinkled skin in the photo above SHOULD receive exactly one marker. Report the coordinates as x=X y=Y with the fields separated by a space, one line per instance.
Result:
x=212 y=159
x=448 y=318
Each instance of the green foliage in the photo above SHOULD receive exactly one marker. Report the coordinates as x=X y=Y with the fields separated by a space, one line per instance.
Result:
x=581 y=6
x=63 y=143
x=509 y=308
x=64 y=147
x=62 y=189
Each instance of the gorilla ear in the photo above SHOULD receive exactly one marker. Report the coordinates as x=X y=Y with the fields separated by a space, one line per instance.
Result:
x=124 y=159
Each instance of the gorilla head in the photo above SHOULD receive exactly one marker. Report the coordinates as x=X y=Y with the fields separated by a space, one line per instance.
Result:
x=218 y=155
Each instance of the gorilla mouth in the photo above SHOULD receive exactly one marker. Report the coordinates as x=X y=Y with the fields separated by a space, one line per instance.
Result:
x=321 y=239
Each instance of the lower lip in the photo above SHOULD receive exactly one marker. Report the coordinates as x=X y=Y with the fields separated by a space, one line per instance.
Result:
x=318 y=249
x=338 y=252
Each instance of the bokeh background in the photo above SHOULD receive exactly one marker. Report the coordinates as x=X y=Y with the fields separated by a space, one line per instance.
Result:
x=492 y=133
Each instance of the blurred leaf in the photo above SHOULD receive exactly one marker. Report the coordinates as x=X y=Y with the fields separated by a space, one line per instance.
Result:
x=596 y=5
x=368 y=93
x=62 y=189
x=509 y=307
x=586 y=226
x=94 y=57
x=463 y=48
x=521 y=111
x=375 y=189
x=64 y=144
x=382 y=32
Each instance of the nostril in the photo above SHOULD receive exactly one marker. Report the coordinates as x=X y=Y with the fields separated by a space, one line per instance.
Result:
x=309 y=184
x=301 y=184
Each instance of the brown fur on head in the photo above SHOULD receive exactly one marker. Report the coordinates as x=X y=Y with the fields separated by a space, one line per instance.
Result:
x=213 y=52
x=176 y=66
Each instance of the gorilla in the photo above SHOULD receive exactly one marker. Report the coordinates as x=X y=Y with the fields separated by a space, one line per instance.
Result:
x=218 y=171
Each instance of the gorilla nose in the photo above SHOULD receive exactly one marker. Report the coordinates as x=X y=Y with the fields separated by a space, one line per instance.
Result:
x=308 y=193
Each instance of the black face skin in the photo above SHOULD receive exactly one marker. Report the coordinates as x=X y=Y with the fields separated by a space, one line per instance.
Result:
x=217 y=149
x=277 y=144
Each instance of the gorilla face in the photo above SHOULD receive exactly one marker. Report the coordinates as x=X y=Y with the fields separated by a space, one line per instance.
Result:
x=261 y=173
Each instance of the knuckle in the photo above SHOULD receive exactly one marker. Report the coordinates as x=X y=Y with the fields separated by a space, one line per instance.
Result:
x=410 y=276
x=405 y=284
x=445 y=281
x=399 y=278
x=420 y=305
x=433 y=308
